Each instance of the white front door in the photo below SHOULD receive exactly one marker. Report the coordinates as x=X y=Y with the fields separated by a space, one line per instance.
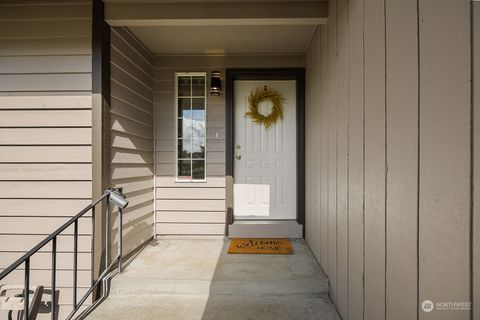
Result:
x=265 y=159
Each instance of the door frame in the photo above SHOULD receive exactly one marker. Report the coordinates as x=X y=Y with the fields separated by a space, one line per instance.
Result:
x=297 y=74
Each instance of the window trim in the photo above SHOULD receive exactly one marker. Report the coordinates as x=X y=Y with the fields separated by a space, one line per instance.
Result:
x=190 y=74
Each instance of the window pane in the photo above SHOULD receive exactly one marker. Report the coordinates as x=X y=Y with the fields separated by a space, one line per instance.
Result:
x=184 y=109
x=198 y=108
x=191 y=128
x=198 y=148
x=184 y=169
x=184 y=148
x=198 y=169
x=197 y=128
x=198 y=86
x=184 y=86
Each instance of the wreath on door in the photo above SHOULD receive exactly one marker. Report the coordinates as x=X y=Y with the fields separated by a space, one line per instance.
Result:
x=263 y=95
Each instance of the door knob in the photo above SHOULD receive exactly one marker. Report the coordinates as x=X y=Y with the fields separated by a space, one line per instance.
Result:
x=238 y=156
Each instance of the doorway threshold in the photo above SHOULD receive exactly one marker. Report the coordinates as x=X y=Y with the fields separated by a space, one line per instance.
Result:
x=265 y=229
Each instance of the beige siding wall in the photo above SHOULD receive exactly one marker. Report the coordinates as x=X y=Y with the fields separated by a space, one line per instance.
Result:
x=196 y=208
x=45 y=136
x=394 y=156
x=132 y=115
x=444 y=153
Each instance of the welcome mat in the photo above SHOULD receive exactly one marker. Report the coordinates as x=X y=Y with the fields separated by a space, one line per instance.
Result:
x=260 y=246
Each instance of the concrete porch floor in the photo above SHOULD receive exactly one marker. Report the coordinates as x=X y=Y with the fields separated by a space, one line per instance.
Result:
x=197 y=280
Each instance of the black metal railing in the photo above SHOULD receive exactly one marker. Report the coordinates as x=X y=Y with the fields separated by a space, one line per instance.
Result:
x=114 y=196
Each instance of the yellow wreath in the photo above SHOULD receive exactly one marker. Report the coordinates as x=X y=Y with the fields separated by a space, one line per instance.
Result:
x=261 y=95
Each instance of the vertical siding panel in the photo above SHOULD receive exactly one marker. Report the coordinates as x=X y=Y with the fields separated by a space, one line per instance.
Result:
x=476 y=122
x=342 y=159
x=374 y=290
x=356 y=159
x=316 y=147
x=313 y=135
x=309 y=133
x=332 y=149
x=323 y=148
x=319 y=136
x=402 y=135
x=444 y=155
x=310 y=156
x=391 y=196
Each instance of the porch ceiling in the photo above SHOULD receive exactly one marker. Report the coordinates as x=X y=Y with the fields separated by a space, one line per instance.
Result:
x=292 y=39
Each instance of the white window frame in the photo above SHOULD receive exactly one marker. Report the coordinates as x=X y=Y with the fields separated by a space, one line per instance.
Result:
x=189 y=74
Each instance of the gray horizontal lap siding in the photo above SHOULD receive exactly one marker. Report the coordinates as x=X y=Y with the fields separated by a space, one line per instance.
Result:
x=45 y=138
x=132 y=128
x=188 y=208
x=196 y=208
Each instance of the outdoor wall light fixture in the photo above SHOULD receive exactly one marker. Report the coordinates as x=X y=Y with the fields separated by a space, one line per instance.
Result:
x=116 y=196
x=215 y=83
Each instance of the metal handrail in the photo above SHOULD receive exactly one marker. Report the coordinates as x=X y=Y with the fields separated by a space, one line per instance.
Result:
x=111 y=195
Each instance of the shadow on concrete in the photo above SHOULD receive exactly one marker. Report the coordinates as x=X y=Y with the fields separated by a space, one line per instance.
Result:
x=269 y=286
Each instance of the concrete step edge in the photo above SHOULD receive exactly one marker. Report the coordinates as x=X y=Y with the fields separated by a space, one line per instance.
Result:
x=176 y=287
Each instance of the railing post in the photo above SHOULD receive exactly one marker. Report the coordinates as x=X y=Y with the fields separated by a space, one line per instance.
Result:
x=107 y=232
x=120 y=238
x=54 y=271
x=26 y=294
x=92 y=249
x=75 y=262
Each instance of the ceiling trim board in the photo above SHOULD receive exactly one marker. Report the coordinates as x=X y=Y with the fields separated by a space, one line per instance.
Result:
x=216 y=22
x=214 y=14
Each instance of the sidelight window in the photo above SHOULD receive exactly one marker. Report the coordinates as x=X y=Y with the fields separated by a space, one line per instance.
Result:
x=190 y=96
